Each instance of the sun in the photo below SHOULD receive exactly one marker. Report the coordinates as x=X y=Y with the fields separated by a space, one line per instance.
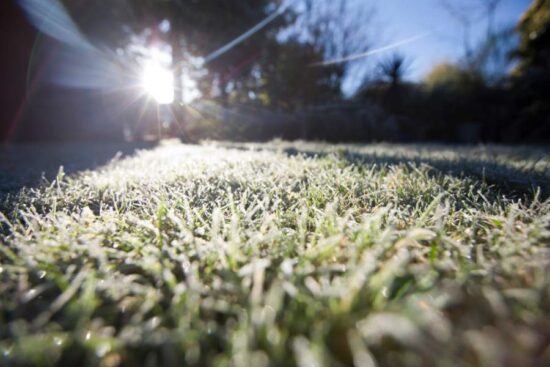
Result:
x=158 y=82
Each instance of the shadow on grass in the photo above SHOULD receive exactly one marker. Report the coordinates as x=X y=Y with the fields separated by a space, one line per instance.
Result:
x=508 y=179
x=25 y=165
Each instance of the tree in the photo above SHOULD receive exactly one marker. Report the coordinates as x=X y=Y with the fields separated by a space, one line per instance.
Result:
x=197 y=28
x=469 y=13
x=534 y=31
x=532 y=75
x=393 y=69
x=204 y=27
x=292 y=81
x=337 y=29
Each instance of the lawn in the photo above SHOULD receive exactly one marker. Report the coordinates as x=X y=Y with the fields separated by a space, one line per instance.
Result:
x=282 y=254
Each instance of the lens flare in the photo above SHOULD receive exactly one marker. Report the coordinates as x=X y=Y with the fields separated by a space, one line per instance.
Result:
x=158 y=82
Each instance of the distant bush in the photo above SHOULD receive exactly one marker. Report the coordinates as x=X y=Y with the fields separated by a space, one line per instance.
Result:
x=453 y=78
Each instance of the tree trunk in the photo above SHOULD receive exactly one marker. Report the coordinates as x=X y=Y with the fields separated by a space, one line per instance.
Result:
x=177 y=65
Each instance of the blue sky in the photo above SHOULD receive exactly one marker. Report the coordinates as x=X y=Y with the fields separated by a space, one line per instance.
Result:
x=402 y=19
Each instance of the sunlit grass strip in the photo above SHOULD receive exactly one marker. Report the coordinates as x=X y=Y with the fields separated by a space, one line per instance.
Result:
x=261 y=256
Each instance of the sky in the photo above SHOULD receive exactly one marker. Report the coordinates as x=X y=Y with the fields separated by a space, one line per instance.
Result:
x=403 y=19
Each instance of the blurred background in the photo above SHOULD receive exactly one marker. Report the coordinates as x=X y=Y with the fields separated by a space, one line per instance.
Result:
x=454 y=71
